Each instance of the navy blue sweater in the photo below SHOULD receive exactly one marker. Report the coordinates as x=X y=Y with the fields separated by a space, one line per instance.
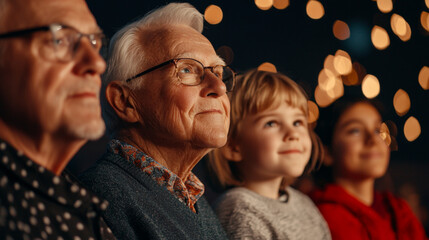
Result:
x=139 y=208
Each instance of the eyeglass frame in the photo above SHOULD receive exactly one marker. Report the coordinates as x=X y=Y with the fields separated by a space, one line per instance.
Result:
x=50 y=27
x=174 y=60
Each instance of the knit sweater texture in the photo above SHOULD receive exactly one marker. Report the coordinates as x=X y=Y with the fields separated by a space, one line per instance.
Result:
x=348 y=218
x=248 y=215
x=139 y=208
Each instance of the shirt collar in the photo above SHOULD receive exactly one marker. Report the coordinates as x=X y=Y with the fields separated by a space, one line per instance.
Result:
x=187 y=192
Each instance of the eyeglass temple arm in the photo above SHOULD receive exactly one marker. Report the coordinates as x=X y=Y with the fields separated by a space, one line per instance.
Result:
x=150 y=70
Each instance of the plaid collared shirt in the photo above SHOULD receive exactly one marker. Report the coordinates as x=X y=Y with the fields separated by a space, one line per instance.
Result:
x=187 y=192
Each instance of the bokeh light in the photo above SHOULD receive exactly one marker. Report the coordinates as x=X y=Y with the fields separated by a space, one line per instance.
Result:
x=427 y=3
x=213 y=14
x=379 y=37
x=315 y=9
x=370 y=86
x=322 y=98
x=327 y=79
x=226 y=54
x=385 y=6
x=313 y=111
x=341 y=30
x=401 y=102
x=281 y=4
x=267 y=67
x=351 y=79
x=424 y=77
x=412 y=129
x=329 y=63
x=264 y=4
x=342 y=62
x=424 y=20
x=400 y=27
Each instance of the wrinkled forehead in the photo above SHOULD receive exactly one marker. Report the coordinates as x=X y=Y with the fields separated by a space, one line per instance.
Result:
x=74 y=13
x=180 y=41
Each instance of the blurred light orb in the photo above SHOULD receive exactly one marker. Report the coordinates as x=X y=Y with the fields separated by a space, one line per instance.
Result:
x=400 y=27
x=370 y=86
x=338 y=90
x=427 y=3
x=424 y=20
x=379 y=37
x=322 y=98
x=342 y=62
x=385 y=6
x=424 y=77
x=351 y=79
x=313 y=111
x=329 y=63
x=264 y=4
x=213 y=14
x=315 y=9
x=281 y=4
x=401 y=102
x=326 y=79
x=412 y=129
x=267 y=67
x=341 y=30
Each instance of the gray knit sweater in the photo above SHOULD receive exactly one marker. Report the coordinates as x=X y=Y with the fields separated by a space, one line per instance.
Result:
x=139 y=208
x=247 y=215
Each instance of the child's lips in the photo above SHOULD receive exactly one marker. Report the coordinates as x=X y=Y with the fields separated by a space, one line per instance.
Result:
x=290 y=151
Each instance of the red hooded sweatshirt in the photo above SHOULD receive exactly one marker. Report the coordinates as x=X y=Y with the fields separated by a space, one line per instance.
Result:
x=389 y=218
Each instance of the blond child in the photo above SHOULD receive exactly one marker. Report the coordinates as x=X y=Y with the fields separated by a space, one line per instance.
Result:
x=269 y=145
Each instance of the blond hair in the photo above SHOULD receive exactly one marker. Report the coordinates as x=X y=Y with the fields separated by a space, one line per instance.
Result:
x=254 y=92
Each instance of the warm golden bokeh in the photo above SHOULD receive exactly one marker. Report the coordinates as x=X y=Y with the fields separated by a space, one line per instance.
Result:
x=342 y=62
x=267 y=67
x=329 y=63
x=379 y=37
x=213 y=14
x=338 y=90
x=341 y=30
x=385 y=6
x=427 y=3
x=370 y=86
x=281 y=4
x=424 y=20
x=412 y=129
x=401 y=102
x=424 y=77
x=313 y=111
x=351 y=79
x=315 y=9
x=264 y=4
x=322 y=98
x=400 y=27
x=326 y=79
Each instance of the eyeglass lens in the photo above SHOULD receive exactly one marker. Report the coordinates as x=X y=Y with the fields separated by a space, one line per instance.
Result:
x=191 y=72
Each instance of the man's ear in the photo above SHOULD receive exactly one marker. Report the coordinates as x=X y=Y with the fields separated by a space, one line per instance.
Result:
x=231 y=152
x=120 y=99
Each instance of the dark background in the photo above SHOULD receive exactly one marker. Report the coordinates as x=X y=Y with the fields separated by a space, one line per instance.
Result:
x=298 y=45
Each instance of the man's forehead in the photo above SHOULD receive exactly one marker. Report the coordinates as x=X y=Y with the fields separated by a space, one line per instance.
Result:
x=74 y=13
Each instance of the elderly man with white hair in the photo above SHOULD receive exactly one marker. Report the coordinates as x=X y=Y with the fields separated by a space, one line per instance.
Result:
x=166 y=107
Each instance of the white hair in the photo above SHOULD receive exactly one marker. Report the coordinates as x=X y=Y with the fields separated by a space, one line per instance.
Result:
x=127 y=54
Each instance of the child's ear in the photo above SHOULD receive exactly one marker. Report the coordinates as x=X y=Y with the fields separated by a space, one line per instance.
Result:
x=231 y=152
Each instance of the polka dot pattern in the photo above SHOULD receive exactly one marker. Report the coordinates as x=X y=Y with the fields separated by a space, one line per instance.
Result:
x=36 y=204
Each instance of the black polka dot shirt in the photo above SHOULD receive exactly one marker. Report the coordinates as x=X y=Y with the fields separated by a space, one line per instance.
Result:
x=36 y=204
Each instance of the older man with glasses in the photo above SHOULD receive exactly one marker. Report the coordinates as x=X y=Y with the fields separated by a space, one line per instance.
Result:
x=50 y=70
x=166 y=108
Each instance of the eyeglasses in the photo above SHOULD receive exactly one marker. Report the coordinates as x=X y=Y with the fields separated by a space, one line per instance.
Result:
x=63 y=42
x=191 y=72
